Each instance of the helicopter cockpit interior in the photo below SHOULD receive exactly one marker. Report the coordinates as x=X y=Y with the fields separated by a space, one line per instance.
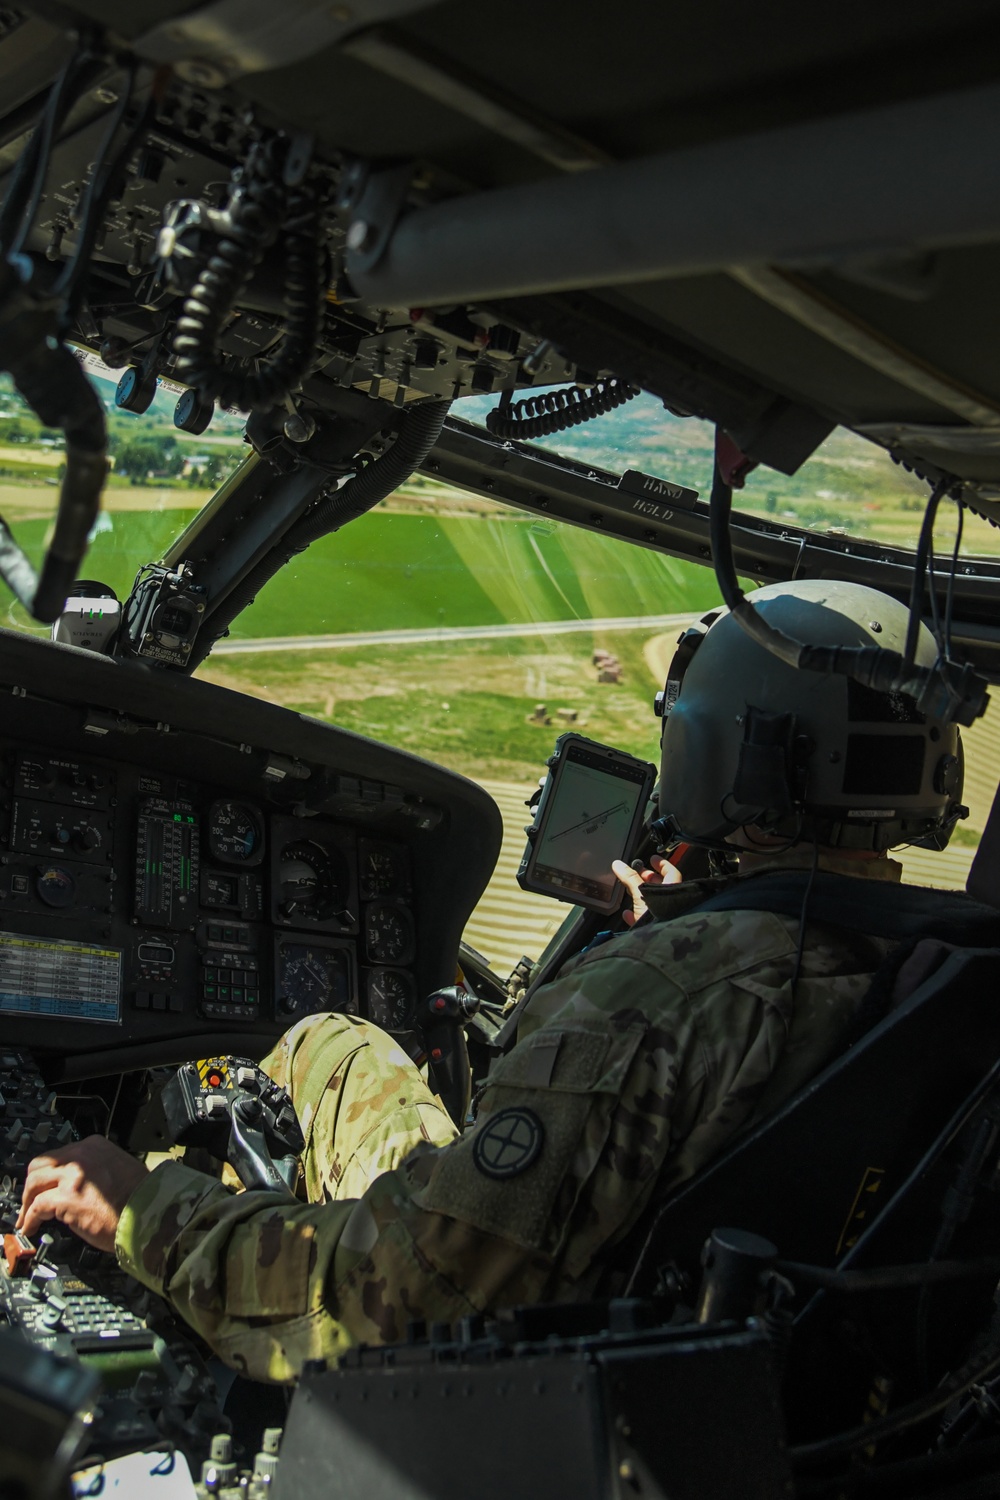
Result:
x=425 y=242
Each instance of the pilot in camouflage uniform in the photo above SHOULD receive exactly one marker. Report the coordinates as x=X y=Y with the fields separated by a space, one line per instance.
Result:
x=633 y=1069
x=639 y=1063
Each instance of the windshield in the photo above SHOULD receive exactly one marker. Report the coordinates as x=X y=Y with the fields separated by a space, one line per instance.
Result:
x=849 y=485
x=466 y=631
x=473 y=635
x=159 y=479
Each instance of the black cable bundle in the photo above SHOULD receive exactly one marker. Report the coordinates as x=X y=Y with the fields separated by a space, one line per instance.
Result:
x=261 y=207
x=557 y=411
x=27 y=180
x=44 y=371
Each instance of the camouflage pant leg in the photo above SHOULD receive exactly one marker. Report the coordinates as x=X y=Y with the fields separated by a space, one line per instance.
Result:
x=362 y=1104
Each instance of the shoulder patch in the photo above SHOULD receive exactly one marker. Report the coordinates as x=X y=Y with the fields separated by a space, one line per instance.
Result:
x=508 y=1143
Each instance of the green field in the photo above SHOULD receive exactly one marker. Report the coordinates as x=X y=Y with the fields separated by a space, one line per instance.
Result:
x=408 y=571
x=402 y=570
x=130 y=539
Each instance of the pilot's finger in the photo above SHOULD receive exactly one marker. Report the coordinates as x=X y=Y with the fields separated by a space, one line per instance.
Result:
x=632 y=880
x=48 y=1166
x=57 y=1171
x=626 y=875
x=43 y=1206
x=42 y=1174
x=668 y=874
x=54 y=1164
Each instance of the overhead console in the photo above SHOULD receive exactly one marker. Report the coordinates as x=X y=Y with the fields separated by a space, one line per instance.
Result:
x=185 y=867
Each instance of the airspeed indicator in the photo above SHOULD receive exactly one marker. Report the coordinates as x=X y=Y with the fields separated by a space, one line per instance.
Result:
x=235 y=833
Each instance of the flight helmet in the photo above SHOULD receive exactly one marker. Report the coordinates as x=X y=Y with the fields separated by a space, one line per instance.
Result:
x=749 y=741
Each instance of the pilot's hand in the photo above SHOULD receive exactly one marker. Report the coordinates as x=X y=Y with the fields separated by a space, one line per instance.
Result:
x=85 y=1186
x=662 y=873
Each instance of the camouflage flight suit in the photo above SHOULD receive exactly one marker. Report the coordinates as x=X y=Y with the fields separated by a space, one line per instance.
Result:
x=633 y=1069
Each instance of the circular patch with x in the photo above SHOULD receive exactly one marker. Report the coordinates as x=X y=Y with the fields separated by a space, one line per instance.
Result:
x=508 y=1143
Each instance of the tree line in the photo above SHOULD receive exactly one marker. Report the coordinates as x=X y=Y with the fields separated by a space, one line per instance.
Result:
x=141 y=457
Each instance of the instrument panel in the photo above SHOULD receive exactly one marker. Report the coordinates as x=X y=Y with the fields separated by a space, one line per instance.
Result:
x=186 y=870
x=127 y=895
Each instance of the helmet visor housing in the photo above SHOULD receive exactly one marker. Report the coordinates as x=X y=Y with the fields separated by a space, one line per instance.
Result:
x=748 y=740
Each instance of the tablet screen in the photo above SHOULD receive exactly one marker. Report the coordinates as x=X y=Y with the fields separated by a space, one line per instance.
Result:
x=587 y=825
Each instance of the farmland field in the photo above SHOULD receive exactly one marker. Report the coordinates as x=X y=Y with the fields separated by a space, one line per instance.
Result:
x=466 y=704
x=406 y=569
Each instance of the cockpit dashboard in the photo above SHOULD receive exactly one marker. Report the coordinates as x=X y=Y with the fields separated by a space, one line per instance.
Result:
x=187 y=876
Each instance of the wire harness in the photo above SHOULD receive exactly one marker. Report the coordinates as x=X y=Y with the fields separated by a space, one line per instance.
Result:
x=261 y=205
x=558 y=410
x=33 y=322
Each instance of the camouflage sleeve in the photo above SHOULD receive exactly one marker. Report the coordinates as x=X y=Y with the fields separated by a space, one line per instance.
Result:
x=226 y=1261
x=271 y=1283
x=631 y=1072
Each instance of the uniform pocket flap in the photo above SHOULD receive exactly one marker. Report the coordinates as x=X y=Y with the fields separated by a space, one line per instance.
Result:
x=267 y=1268
x=574 y=1060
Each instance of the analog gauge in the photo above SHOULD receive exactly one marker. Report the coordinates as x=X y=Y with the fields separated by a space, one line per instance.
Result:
x=388 y=933
x=390 y=995
x=219 y=890
x=235 y=833
x=383 y=870
x=312 y=883
x=55 y=886
x=313 y=978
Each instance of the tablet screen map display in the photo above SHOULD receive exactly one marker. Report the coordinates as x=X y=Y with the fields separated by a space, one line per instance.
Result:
x=586 y=828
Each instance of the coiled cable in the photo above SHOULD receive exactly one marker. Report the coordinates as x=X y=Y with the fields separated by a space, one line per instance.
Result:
x=261 y=206
x=556 y=411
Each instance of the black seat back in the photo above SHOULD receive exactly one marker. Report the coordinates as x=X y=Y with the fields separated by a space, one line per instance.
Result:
x=813 y=1176
x=818 y=1174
